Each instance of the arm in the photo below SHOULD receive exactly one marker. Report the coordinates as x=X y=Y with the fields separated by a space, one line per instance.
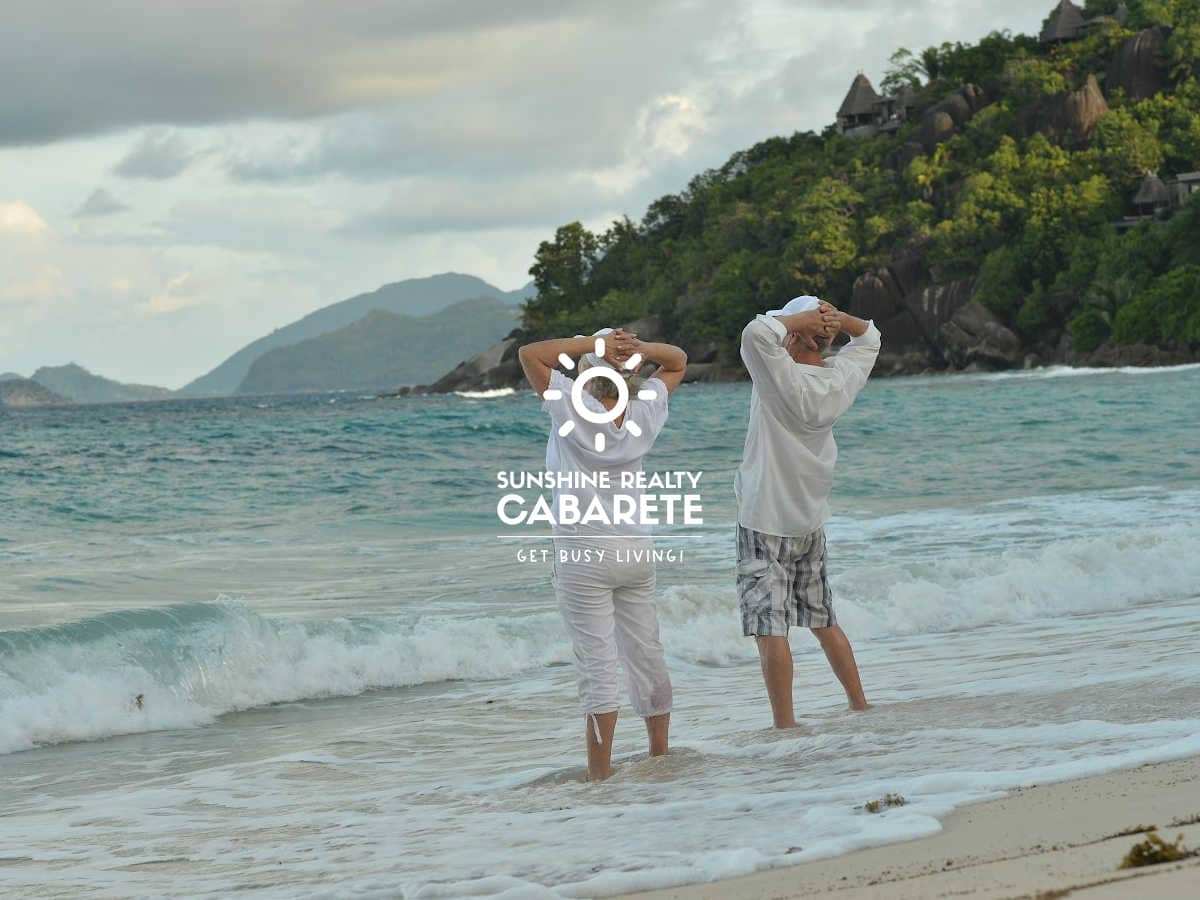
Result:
x=820 y=322
x=671 y=360
x=789 y=389
x=780 y=383
x=857 y=358
x=852 y=325
x=765 y=339
x=539 y=359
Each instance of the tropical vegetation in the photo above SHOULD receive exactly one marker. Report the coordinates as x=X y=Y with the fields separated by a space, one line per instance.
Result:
x=1038 y=217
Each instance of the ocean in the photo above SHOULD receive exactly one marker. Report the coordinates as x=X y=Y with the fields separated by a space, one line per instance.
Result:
x=283 y=646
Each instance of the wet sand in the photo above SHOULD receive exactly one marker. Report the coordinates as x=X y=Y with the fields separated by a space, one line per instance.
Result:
x=1042 y=841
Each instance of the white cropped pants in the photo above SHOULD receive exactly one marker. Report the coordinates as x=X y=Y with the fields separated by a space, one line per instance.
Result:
x=607 y=604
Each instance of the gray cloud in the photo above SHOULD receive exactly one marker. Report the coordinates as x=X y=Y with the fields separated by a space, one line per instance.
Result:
x=99 y=203
x=425 y=206
x=405 y=87
x=76 y=67
x=543 y=162
x=372 y=140
x=573 y=104
x=559 y=100
x=157 y=155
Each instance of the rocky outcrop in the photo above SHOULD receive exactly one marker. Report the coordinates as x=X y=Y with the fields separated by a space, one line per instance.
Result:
x=1069 y=117
x=936 y=127
x=877 y=296
x=935 y=305
x=496 y=367
x=975 y=338
x=908 y=266
x=1080 y=111
x=948 y=116
x=1138 y=355
x=916 y=313
x=888 y=364
x=1139 y=66
x=929 y=325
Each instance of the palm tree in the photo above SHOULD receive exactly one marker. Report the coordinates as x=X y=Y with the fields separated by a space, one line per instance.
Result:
x=931 y=63
x=1107 y=297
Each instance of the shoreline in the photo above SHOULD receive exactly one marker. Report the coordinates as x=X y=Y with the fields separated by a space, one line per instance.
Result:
x=1042 y=841
x=705 y=373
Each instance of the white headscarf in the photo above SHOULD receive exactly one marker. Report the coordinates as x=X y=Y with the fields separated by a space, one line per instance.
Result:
x=592 y=358
x=796 y=305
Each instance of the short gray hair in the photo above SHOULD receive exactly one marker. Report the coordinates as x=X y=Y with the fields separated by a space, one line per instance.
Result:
x=603 y=388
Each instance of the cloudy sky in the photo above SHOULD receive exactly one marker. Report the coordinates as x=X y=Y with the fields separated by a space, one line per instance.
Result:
x=177 y=179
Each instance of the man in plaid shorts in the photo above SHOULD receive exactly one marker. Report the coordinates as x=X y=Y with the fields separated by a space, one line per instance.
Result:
x=784 y=482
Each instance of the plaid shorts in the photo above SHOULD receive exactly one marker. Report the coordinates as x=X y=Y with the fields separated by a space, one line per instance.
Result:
x=781 y=582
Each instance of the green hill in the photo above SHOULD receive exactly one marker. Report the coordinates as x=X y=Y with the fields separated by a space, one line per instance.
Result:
x=991 y=208
x=413 y=297
x=78 y=384
x=382 y=350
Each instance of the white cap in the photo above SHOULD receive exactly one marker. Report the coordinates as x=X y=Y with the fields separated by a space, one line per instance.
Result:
x=796 y=305
x=592 y=358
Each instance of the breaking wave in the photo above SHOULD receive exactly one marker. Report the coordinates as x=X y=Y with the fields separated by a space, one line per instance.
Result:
x=193 y=662
x=492 y=394
x=1077 y=371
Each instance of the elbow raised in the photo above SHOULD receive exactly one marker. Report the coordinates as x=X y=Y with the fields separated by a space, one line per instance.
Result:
x=746 y=332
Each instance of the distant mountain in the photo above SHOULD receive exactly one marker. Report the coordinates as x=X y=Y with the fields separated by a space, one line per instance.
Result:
x=414 y=297
x=78 y=384
x=11 y=376
x=17 y=392
x=382 y=350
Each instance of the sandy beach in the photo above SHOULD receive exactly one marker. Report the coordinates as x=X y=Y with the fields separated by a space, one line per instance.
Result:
x=1041 y=841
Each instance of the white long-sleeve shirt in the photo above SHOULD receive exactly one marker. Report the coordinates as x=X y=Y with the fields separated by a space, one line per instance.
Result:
x=623 y=450
x=786 y=476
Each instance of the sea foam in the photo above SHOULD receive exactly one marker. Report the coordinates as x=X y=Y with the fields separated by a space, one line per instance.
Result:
x=492 y=394
x=1080 y=371
x=193 y=662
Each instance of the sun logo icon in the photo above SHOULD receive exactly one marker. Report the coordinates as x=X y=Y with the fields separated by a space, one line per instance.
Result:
x=600 y=418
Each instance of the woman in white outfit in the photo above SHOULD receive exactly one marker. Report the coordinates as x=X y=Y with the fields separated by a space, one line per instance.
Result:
x=605 y=420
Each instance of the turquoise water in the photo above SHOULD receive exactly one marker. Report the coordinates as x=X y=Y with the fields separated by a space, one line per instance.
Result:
x=128 y=506
x=429 y=462
x=311 y=599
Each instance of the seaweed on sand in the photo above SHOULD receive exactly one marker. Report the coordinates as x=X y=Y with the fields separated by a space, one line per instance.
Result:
x=1154 y=850
x=884 y=802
